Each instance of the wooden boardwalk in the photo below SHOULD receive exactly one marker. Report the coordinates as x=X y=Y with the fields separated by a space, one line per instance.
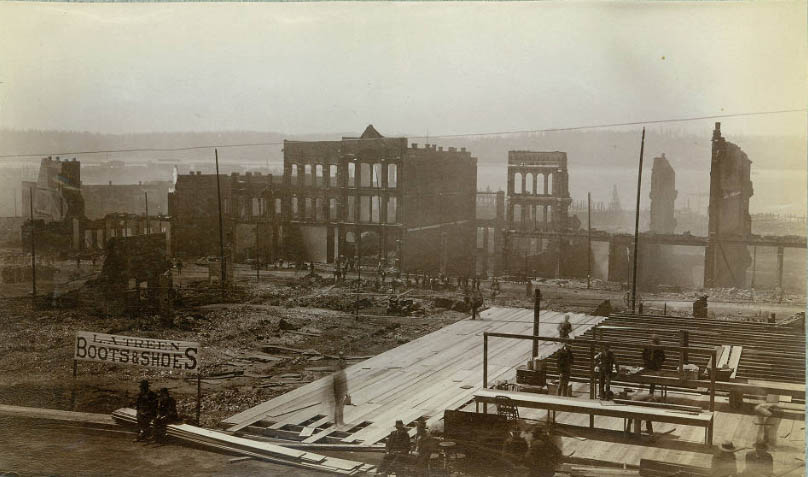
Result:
x=422 y=378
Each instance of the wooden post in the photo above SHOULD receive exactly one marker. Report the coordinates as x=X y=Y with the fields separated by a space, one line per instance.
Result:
x=198 y=395
x=754 y=265
x=637 y=228
x=536 y=319
x=221 y=225
x=485 y=368
x=589 y=239
x=33 y=248
x=148 y=225
x=714 y=356
x=591 y=381
x=684 y=338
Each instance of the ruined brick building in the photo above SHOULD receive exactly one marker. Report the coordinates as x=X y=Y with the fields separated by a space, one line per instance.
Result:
x=726 y=263
x=64 y=223
x=537 y=213
x=375 y=196
x=657 y=262
x=663 y=196
x=370 y=195
x=247 y=207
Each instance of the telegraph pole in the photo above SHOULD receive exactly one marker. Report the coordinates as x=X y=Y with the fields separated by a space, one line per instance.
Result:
x=33 y=247
x=148 y=226
x=637 y=227
x=589 y=239
x=221 y=226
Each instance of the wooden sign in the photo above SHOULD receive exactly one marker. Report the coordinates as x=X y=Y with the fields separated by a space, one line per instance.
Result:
x=115 y=349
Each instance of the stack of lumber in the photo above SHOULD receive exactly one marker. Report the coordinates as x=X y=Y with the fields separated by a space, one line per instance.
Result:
x=250 y=448
x=756 y=351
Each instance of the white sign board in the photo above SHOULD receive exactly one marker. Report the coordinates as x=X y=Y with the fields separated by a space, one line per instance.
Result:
x=115 y=349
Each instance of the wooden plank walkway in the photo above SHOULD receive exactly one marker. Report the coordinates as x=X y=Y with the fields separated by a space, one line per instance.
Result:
x=422 y=378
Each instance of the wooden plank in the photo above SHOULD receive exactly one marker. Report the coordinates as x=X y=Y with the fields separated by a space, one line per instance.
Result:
x=734 y=359
x=58 y=415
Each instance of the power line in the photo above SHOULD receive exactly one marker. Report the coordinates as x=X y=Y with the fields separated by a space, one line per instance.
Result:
x=479 y=134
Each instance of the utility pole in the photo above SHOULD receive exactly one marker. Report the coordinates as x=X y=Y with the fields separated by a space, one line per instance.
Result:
x=754 y=265
x=148 y=226
x=257 y=253
x=221 y=226
x=536 y=319
x=33 y=247
x=589 y=239
x=637 y=227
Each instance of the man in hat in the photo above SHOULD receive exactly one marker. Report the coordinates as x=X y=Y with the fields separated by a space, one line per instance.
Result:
x=565 y=327
x=396 y=448
x=606 y=365
x=653 y=358
x=146 y=407
x=340 y=387
x=166 y=414
x=543 y=455
x=723 y=463
x=759 y=462
x=565 y=362
x=424 y=446
x=515 y=446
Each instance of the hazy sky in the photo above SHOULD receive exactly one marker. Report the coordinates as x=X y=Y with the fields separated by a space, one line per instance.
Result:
x=405 y=67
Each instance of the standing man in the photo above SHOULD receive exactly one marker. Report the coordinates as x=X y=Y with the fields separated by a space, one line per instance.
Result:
x=565 y=362
x=340 y=387
x=146 y=406
x=565 y=327
x=606 y=365
x=653 y=358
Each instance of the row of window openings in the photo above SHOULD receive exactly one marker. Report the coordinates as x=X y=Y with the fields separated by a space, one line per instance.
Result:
x=370 y=175
x=369 y=209
x=541 y=187
x=534 y=214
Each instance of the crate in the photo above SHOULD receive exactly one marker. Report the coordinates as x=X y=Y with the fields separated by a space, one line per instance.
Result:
x=532 y=377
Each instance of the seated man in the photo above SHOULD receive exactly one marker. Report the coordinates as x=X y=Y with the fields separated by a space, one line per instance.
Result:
x=424 y=446
x=166 y=414
x=514 y=447
x=396 y=449
x=759 y=462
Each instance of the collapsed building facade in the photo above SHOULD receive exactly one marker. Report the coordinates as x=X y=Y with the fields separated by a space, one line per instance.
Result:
x=537 y=216
x=60 y=213
x=726 y=263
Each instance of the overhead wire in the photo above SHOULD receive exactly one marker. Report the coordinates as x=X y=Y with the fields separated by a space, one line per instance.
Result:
x=442 y=136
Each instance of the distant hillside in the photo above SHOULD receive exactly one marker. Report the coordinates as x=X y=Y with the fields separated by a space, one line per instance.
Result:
x=597 y=159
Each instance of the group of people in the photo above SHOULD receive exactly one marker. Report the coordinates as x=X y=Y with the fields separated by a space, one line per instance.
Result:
x=540 y=453
x=759 y=462
x=400 y=450
x=154 y=413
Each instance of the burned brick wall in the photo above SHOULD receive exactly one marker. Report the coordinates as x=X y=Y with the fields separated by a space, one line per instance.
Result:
x=725 y=264
x=663 y=196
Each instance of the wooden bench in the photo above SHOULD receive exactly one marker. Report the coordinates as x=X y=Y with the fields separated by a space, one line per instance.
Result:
x=637 y=413
x=655 y=468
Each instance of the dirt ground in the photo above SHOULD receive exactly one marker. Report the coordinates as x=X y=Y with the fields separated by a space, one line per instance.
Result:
x=269 y=337
x=260 y=340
